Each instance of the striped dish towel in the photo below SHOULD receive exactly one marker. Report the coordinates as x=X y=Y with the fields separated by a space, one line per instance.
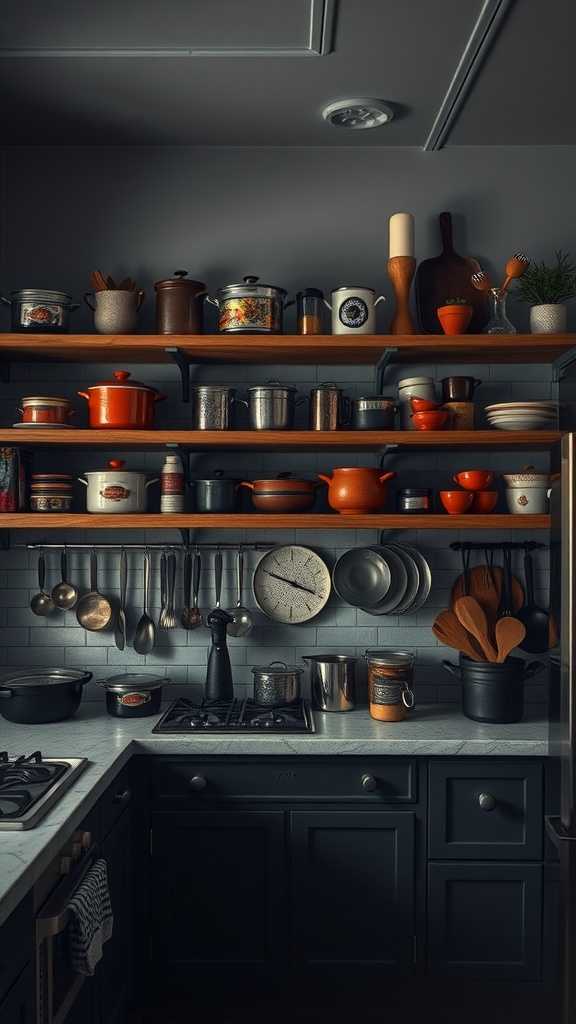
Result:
x=92 y=919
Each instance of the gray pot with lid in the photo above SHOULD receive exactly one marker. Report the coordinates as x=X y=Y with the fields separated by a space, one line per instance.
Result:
x=250 y=307
x=217 y=494
x=276 y=684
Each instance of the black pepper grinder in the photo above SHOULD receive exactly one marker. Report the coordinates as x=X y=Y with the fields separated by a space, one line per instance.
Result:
x=219 y=671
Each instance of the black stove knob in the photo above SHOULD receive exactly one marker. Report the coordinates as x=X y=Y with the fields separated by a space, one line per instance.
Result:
x=198 y=783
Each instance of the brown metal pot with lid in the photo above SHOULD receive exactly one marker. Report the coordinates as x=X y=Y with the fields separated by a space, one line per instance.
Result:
x=180 y=305
x=121 y=403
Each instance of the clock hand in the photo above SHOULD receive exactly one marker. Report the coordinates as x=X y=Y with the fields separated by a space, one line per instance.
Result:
x=292 y=583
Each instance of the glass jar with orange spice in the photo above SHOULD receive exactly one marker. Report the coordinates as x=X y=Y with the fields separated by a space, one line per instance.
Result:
x=390 y=679
x=309 y=311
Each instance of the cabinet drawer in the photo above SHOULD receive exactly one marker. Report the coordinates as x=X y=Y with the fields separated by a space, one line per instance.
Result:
x=390 y=781
x=483 y=811
x=116 y=799
x=15 y=944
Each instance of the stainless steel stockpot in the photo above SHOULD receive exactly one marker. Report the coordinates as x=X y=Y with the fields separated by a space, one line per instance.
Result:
x=250 y=307
x=277 y=683
x=40 y=310
x=332 y=681
x=271 y=406
x=213 y=404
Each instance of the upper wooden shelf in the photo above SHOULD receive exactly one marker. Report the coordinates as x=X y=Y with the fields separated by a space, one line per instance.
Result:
x=254 y=521
x=285 y=348
x=287 y=440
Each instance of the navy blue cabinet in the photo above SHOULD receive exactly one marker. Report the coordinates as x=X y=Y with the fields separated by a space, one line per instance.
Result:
x=18 y=1006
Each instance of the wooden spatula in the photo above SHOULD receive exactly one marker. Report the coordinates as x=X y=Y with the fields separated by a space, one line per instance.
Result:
x=471 y=616
x=448 y=630
x=509 y=632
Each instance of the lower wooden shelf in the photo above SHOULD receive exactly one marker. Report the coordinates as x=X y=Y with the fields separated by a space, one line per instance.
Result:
x=310 y=521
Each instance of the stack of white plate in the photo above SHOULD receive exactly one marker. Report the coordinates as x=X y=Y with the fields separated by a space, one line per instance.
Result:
x=523 y=415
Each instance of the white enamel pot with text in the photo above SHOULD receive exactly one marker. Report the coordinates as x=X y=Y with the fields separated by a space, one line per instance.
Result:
x=116 y=490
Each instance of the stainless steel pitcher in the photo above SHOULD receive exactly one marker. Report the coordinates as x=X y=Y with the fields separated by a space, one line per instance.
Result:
x=332 y=681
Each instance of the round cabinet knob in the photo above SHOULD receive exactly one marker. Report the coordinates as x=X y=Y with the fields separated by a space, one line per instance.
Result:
x=123 y=796
x=486 y=802
x=369 y=783
x=198 y=783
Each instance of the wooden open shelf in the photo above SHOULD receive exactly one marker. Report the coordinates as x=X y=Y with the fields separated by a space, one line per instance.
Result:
x=310 y=521
x=288 y=440
x=285 y=348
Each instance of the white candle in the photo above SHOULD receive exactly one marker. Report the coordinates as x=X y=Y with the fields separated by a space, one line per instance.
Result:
x=401 y=227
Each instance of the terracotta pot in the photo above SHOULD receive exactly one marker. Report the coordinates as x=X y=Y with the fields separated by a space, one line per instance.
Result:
x=456 y=502
x=430 y=420
x=282 y=494
x=354 y=491
x=484 y=502
x=42 y=409
x=474 y=479
x=121 y=405
x=454 y=319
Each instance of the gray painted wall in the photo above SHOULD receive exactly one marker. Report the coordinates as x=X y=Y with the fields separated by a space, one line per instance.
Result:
x=297 y=217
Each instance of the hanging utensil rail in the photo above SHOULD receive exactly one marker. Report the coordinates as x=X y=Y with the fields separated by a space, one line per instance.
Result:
x=529 y=545
x=147 y=547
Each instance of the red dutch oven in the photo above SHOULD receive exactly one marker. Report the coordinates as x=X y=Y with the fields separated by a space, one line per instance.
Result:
x=121 y=403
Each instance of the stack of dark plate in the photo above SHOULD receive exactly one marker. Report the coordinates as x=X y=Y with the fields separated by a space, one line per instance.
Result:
x=386 y=579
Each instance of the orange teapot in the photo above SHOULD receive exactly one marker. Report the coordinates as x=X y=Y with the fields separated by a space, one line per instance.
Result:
x=355 y=490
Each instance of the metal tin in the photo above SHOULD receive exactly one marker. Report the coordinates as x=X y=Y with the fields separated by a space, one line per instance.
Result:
x=271 y=406
x=39 y=310
x=332 y=681
x=213 y=407
x=250 y=307
x=329 y=408
x=413 y=500
x=353 y=309
x=276 y=683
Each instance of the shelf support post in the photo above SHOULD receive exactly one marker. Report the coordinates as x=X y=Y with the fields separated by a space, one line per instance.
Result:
x=183 y=363
x=380 y=368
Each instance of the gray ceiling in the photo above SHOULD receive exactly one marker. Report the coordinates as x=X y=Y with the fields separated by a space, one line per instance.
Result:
x=402 y=51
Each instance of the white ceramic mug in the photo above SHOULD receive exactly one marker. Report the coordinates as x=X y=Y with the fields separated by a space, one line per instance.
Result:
x=353 y=310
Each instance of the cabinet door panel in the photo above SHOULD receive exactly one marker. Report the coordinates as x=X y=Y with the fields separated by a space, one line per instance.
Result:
x=485 y=920
x=218 y=887
x=116 y=969
x=353 y=887
x=18 y=1006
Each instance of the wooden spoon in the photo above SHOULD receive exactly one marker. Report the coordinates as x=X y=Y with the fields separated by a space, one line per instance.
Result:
x=448 y=630
x=510 y=632
x=485 y=585
x=514 y=268
x=98 y=281
x=472 y=617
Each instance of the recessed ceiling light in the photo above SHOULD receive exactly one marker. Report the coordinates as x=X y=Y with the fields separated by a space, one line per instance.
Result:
x=358 y=114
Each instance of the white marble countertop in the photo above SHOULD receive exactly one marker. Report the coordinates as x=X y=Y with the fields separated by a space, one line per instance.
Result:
x=108 y=743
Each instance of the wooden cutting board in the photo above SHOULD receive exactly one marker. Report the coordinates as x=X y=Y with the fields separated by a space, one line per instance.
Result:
x=448 y=277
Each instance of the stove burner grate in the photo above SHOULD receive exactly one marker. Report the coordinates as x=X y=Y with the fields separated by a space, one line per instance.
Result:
x=185 y=716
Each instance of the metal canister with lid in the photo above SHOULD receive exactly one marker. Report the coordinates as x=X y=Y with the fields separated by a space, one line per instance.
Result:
x=414 y=500
x=413 y=387
x=271 y=406
x=212 y=406
x=329 y=408
x=250 y=307
x=180 y=304
x=277 y=683
x=390 y=680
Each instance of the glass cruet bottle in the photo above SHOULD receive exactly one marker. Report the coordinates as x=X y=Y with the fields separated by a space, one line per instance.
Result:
x=498 y=322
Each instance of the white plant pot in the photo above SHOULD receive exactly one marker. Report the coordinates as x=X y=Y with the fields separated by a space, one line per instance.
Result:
x=548 y=319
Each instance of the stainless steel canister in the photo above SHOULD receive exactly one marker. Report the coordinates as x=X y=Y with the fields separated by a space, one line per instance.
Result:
x=329 y=409
x=332 y=681
x=271 y=406
x=213 y=407
x=277 y=683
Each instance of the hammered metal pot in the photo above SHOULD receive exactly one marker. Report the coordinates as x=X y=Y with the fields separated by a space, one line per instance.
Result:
x=116 y=311
x=276 y=684
x=213 y=404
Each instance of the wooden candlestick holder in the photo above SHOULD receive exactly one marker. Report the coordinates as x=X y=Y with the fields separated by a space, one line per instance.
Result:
x=401 y=271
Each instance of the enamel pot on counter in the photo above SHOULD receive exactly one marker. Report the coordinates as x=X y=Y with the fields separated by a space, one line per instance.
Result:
x=116 y=490
x=250 y=307
x=282 y=494
x=121 y=403
x=356 y=490
x=35 y=695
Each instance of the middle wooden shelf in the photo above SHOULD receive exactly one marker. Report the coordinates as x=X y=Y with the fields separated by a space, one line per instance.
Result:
x=277 y=440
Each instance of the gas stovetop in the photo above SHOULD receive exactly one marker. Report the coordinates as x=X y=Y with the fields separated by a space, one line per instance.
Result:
x=30 y=786
x=185 y=716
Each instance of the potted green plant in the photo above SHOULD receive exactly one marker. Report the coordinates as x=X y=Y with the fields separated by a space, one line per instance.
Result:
x=547 y=289
x=455 y=316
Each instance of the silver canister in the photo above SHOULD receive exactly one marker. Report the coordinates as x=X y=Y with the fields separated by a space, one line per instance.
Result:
x=213 y=404
x=271 y=406
x=332 y=681
x=413 y=387
x=276 y=684
x=329 y=408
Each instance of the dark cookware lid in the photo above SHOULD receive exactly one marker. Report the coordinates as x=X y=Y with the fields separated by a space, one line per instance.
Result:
x=181 y=280
x=129 y=681
x=43 y=677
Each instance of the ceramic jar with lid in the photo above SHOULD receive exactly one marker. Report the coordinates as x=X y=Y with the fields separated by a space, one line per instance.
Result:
x=116 y=490
x=121 y=403
x=180 y=305
x=527 y=492
x=413 y=387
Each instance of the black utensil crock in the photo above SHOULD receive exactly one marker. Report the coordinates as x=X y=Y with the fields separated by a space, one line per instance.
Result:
x=490 y=692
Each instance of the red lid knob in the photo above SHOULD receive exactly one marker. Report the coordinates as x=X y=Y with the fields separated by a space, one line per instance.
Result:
x=115 y=463
x=121 y=375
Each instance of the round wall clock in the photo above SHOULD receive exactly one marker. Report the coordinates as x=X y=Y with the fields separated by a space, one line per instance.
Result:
x=291 y=584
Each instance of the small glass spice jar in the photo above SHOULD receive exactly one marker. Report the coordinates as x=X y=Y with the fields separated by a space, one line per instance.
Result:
x=414 y=500
x=390 y=679
x=309 y=310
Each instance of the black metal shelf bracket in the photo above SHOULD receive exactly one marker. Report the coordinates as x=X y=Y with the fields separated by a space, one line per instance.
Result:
x=386 y=358
x=183 y=363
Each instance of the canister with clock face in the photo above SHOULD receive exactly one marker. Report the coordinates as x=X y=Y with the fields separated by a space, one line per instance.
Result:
x=353 y=309
x=291 y=584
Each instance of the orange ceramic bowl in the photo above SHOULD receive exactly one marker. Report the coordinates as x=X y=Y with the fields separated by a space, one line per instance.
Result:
x=484 y=502
x=474 y=479
x=456 y=502
x=424 y=405
x=430 y=420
